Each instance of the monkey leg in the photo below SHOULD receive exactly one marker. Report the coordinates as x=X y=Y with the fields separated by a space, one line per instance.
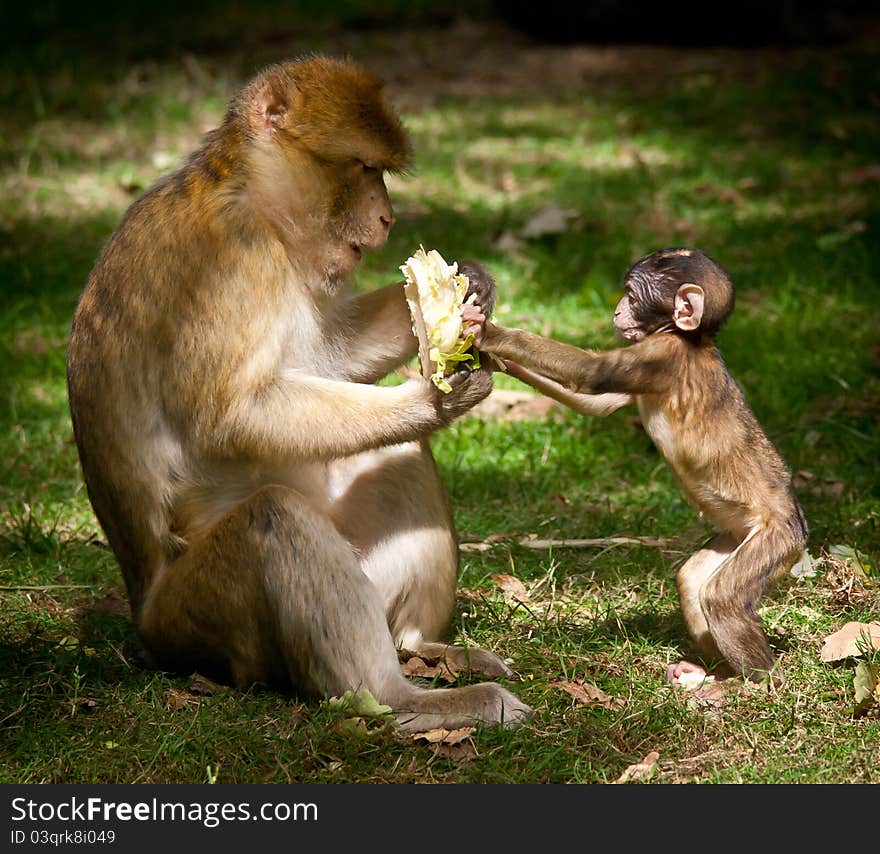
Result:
x=272 y=591
x=690 y=579
x=731 y=595
x=392 y=506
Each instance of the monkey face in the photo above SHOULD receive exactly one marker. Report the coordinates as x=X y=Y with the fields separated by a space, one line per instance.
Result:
x=359 y=213
x=370 y=215
x=321 y=137
x=624 y=320
x=644 y=308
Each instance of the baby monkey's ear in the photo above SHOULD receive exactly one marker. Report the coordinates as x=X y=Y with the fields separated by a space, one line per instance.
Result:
x=688 y=310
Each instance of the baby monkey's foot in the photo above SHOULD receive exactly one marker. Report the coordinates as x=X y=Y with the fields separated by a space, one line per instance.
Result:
x=686 y=674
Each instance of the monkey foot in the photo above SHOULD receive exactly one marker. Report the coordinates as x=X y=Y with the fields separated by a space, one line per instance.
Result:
x=704 y=688
x=451 y=708
x=687 y=675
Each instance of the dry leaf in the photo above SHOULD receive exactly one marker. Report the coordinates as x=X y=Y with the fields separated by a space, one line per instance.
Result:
x=455 y=744
x=588 y=694
x=511 y=586
x=416 y=666
x=176 y=700
x=641 y=771
x=866 y=687
x=445 y=736
x=203 y=686
x=849 y=641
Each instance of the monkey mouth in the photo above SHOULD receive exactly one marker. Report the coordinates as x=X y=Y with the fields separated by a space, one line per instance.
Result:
x=356 y=249
x=631 y=333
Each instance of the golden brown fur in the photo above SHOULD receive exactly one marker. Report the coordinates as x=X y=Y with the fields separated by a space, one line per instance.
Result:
x=277 y=517
x=698 y=418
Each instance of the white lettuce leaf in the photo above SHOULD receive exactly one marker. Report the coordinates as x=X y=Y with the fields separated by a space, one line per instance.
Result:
x=437 y=291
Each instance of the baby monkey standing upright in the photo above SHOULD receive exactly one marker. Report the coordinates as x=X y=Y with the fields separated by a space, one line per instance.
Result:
x=675 y=302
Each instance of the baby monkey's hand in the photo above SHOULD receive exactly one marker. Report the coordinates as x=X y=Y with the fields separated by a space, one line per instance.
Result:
x=473 y=321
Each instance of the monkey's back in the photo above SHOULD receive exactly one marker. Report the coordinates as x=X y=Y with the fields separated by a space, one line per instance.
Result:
x=115 y=365
x=149 y=355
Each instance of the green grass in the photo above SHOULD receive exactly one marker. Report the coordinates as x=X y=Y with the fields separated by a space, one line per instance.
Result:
x=762 y=159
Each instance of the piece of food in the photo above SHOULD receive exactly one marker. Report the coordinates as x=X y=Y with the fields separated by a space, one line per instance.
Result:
x=435 y=292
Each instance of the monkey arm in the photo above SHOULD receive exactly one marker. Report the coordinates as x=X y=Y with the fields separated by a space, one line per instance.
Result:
x=305 y=416
x=643 y=368
x=587 y=404
x=298 y=415
x=380 y=336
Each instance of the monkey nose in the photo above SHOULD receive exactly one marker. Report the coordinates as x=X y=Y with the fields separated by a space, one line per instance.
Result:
x=387 y=220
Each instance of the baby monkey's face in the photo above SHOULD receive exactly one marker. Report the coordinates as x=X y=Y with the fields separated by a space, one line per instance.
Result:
x=625 y=321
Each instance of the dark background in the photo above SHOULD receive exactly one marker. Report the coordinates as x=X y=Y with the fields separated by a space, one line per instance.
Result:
x=45 y=28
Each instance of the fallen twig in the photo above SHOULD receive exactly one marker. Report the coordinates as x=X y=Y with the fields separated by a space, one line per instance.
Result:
x=595 y=542
x=651 y=542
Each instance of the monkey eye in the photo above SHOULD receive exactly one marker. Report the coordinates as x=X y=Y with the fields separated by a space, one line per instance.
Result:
x=633 y=301
x=367 y=169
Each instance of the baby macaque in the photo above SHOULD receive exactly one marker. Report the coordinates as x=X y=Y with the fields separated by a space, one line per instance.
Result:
x=674 y=303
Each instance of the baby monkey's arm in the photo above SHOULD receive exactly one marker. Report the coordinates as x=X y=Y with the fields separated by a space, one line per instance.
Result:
x=646 y=367
x=586 y=404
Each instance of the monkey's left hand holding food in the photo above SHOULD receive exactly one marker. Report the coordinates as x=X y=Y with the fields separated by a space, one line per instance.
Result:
x=437 y=294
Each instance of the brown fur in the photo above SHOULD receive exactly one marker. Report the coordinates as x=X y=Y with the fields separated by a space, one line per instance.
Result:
x=702 y=425
x=277 y=517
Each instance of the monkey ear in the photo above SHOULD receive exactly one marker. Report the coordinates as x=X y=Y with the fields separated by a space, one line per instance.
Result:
x=272 y=104
x=688 y=310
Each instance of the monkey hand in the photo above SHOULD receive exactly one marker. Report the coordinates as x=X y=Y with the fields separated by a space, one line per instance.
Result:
x=481 y=283
x=473 y=319
x=483 y=331
x=468 y=389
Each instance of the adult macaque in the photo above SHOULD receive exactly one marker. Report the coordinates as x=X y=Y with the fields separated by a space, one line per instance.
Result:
x=675 y=302
x=277 y=517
